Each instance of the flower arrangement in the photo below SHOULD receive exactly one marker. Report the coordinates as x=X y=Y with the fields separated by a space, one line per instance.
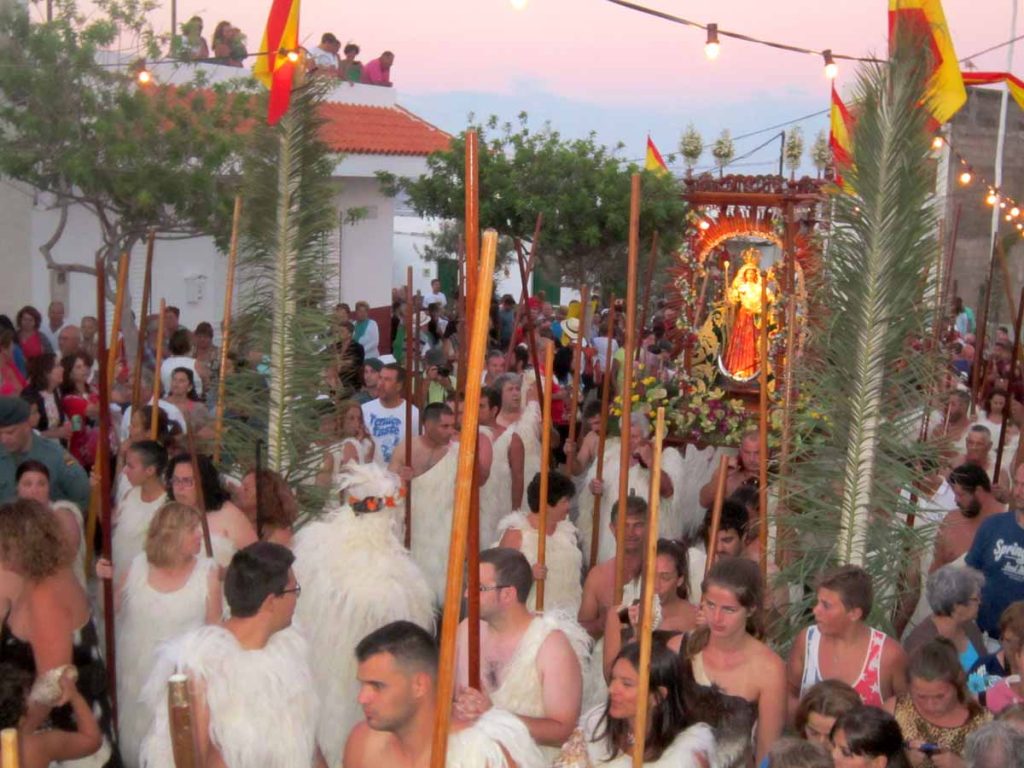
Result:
x=691 y=146
x=794 y=150
x=704 y=414
x=821 y=153
x=723 y=150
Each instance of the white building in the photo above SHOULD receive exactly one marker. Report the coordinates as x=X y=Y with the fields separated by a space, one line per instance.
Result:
x=365 y=125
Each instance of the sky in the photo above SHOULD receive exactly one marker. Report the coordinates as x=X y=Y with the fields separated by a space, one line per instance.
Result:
x=590 y=65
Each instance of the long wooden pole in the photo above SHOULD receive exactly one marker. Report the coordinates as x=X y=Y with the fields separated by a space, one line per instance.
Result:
x=472 y=216
x=647 y=598
x=545 y=468
x=115 y=327
x=787 y=423
x=1014 y=375
x=531 y=341
x=627 y=385
x=184 y=746
x=9 y=748
x=225 y=331
x=716 y=512
x=577 y=359
x=197 y=484
x=140 y=348
x=460 y=516
x=408 y=405
x=154 y=416
x=103 y=460
x=652 y=262
x=762 y=533
x=980 y=356
x=521 y=306
x=602 y=432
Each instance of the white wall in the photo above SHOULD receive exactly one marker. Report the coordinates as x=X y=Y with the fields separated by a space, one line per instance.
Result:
x=16 y=202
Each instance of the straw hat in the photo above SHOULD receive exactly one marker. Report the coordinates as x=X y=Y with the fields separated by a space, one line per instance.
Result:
x=571 y=328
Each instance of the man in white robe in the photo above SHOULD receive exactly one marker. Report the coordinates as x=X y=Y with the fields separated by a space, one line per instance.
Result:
x=357 y=576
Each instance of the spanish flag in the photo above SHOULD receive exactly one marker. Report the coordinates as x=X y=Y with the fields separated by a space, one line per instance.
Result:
x=840 y=138
x=1014 y=84
x=653 y=161
x=273 y=67
x=946 y=91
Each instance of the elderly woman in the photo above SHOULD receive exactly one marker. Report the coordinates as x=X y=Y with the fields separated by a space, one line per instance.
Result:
x=937 y=714
x=954 y=593
x=48 y=625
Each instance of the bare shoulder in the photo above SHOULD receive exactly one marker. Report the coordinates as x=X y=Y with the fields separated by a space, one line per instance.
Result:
x=365 y=748
x=556 y=649
x=892 y=650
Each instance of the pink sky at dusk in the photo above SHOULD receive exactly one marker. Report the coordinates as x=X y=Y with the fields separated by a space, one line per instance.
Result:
x=594 y=51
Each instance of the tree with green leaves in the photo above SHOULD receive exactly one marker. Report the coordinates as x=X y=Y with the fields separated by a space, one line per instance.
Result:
x=579 y=186
x=81 y=129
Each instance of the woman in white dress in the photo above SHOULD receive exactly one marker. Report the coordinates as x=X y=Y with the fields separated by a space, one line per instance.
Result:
x=230 y=529
x=675 y=739
x=169 y=589
x=354 y=446
x=33 y=479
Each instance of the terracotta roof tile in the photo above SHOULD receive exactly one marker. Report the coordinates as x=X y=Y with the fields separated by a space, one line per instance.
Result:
x=357 y=129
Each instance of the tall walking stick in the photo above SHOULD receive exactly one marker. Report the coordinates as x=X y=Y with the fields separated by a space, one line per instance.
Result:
x=408 y=406
x=602 y=432
x=115 y=327
x=647 y=598
x=545 y=469
x=627 y=386
x=197 y=484
x=716 y=512
x=762 y=533
x=648 y=286
x=154 y=416
x=184 y=745
x=577 y=359
x=225 y=331
x=460 y=516
x=1014 y=378
x=103 y=460
x=140 y=348
x=9 y=748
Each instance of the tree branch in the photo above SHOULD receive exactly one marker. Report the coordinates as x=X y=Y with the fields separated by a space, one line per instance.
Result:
x=47 y=249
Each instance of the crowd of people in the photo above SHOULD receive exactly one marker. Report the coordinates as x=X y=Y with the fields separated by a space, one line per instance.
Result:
x=330 y=59
x=315 y=645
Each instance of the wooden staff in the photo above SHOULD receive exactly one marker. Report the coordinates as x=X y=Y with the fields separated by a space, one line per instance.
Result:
x=184 y=745
x=545 y=468
x=716 y=512
x=577 y=359
x=980 y=357
x=762 y=491
x=602 y=433
x=647 y=598
x=154 y=416
x=408 y=406
x=648 y=285
x=787 y=421
x=197 y=484
x=1013 y=382
x=103 y=460
x=520 y=307
x=472 y=216
x=259 y=489
x=460 y=515
x=115 y=328
x=627 y=385
x=225 y=331
x=140 y=348
x=531 y=340
x=9 y=748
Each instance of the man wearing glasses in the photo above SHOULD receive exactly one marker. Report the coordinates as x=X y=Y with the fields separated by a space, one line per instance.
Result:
x=530 y=664
x=251 y=685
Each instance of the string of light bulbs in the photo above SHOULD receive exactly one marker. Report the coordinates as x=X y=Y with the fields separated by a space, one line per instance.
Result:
x=994 y=196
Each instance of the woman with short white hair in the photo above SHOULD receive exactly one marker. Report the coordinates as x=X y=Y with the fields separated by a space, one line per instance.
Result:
x=954 y=594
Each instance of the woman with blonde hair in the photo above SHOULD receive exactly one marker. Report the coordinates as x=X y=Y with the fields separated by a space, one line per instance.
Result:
x=355 y=446
x=169 y=589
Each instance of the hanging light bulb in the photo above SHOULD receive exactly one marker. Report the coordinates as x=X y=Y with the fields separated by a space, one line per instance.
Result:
x=1002 y=204
x=712 y=46
x=518 y=5
x=992 y=198
x=937 y=143
x=293 y=56
x=831 y=68
x=1008 y=217
x=144 y=77
x=965 y=178
x=1015 y=211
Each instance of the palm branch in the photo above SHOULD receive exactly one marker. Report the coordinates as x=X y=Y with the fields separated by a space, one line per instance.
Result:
x=856 y=454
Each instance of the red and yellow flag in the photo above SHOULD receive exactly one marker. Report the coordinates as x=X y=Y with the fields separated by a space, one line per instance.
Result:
x=946 y=91
x=273 y=66
x=840 y=138
x=653 y=161
x=1014 y=84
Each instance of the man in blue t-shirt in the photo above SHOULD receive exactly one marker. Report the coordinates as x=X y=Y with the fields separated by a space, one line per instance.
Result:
x=998 y=552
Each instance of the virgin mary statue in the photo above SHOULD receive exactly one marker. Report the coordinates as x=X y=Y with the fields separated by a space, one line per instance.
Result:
x=742 y=360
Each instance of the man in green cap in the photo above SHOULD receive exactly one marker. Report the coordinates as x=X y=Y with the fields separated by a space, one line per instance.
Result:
x=18 y=442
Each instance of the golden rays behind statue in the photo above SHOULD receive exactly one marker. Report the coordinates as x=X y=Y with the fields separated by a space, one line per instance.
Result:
x=744 y=315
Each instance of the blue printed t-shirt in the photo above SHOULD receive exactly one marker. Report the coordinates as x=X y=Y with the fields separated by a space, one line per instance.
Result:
x=998 y=552
x=387 y=427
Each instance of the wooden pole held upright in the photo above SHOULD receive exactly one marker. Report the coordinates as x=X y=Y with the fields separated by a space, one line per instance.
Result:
x=197 y=484
x=103 y=460
x=1014 y=378
x=647 y=598
x=545 y=468
x=577 y=359
x=225 y=331
x=652 y=263
x=184 y=745
x=762 y=532
x=627 y=384
x=602 y=433
x=408 y=405
x=9 y=748
x=716 y=512
x=460 y=516
x=140 y=348
x=115 y=329
x=154 y=416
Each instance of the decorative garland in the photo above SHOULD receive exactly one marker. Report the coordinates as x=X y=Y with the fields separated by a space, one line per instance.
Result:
x=375 y=503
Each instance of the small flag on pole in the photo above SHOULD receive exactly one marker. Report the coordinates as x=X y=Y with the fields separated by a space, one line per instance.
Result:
x=275 y=65
x=946 y=91
x=653 y=161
